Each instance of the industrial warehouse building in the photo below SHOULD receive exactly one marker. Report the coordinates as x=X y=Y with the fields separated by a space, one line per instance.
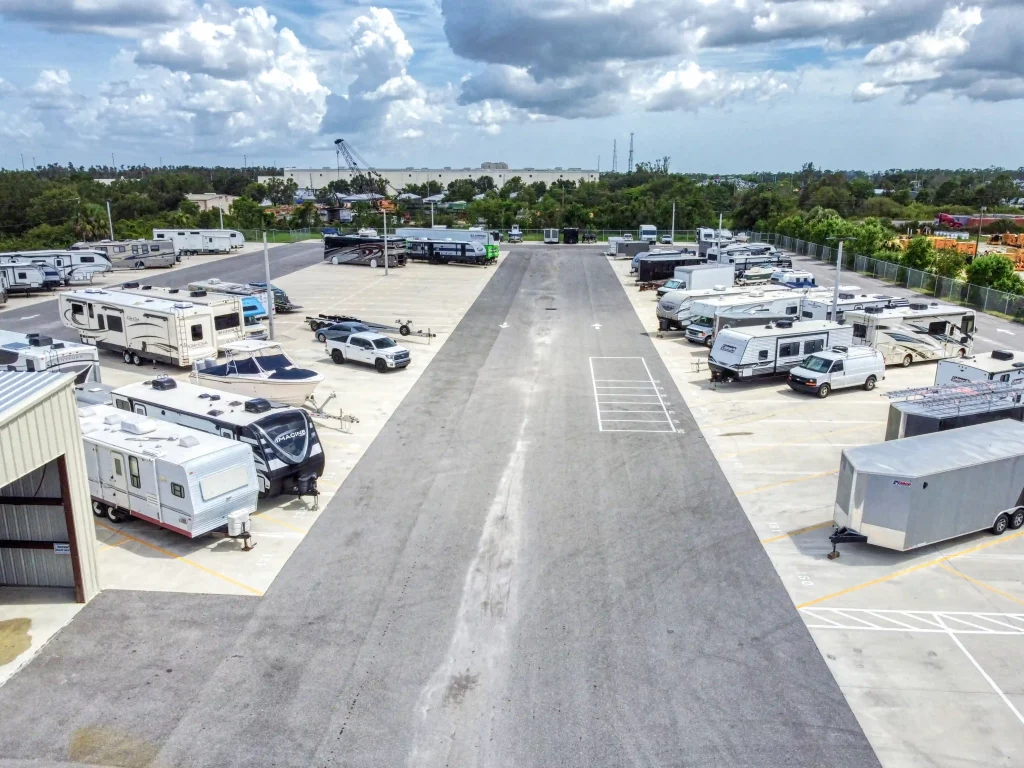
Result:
x=46 y=527
x=317 y=178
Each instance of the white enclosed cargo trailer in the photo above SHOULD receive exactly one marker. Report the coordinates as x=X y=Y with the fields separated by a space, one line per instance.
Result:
x=181 y=479
x=191 y=242
x=908 y=493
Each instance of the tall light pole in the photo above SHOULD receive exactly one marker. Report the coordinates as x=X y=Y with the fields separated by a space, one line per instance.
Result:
x=110 y=221
x=270 y=288
x=977 y=243
x=835 y=290
x=673 y=221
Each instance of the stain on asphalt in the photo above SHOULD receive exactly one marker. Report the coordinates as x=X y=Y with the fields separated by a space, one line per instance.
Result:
x=99 y=745
x=14 y=639
x=459 y=686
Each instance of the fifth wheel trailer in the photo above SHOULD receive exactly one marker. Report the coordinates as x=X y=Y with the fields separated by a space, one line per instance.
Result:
x=909 y=493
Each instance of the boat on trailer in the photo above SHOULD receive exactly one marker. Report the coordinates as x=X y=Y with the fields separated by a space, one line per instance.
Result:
x=257 y=369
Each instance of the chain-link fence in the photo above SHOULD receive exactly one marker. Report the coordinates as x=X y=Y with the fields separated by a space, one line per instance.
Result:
x=927 y=283
x=281 y=235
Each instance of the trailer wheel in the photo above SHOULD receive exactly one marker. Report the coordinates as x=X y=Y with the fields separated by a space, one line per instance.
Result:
x=140 y=265
x=404 y=330
x=136 y=359
x=380 y=365
x=907 y=361
x=337 y=356
x=823 y=391
x=1017 y=518
x=1001 y=524
x=870 y=383
x=99 y=509
x=115 y=515
x=127 y=356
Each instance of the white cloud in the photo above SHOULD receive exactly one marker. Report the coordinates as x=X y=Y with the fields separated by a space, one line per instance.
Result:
x=103 y=16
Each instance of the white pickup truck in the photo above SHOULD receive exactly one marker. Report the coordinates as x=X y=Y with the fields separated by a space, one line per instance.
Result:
x=367 y=347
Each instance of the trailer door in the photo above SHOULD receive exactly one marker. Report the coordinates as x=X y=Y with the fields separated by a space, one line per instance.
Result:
x=113 y=475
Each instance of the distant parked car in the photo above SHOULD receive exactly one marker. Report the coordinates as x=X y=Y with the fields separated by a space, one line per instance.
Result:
x=666 y=239
x=671 y=285
x=371 y=348
x=628 y=237
x=340 y=329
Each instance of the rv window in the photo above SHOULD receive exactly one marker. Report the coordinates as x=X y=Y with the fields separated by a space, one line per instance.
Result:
x=114 y=323
x=967 y=326
x=122 y=404
x=90 y=310
x=145 y=250
x=939 y=326
x=88 y=259
x=119 y=249
x=118 y=469
x=135 y=250
x=133 y=472
x=790 y=349
x=76 y=309
x=178 y=490
x=791 y=310
x=99 y=322
x=23 y=276
x=860 y=331
x=762 y=355
x=814 y=345
x=197 y=332
x=1005 y=377
x=225 y=322
x=806 y=313
x=30 y=366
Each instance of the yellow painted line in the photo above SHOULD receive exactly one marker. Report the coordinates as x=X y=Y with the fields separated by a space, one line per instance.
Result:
x=173 y=556
x=798 y=440
x=282 y=523
x=937 y=561
x=788 y=482
x=982 y=584
x=797 y=532
x=114 y=546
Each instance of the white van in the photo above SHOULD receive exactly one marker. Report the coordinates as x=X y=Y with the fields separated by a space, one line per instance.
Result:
x=838 y=368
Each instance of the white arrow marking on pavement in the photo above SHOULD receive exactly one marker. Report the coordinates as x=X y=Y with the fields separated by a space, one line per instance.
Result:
x=998 y=330
x=503 y=325
x=28 y=317
x=596 y=326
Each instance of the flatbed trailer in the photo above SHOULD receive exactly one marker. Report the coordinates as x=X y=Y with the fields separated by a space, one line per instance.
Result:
x=401 y=327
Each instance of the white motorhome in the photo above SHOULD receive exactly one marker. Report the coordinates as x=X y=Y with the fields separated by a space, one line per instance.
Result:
x=1000 y=367
x=35 y=352
x=675 y=309
x=191 y=242
x=22 y=277
x=132 y=254
x=701 y=329
x=70 y=265
x=284 y=441
x=708 y=237
x=140 y=328
x=181 y=479
x=820 y=307
x=228 y=318
x=915 y=332
x=648 y=233
x=443 y=233
x=772 y=349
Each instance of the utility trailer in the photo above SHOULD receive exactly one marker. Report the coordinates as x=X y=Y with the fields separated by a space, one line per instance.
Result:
x=663 y=266
x=178 y=478
x=905 y=494
x=401 y=327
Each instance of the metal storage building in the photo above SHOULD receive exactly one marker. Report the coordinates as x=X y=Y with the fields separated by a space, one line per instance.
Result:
x=46 y=527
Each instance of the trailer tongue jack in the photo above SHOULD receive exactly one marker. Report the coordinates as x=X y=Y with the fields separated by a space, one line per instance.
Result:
x=845 y=535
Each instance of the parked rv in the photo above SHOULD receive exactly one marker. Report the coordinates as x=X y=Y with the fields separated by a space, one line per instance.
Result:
x=649 y=233
x=140 y=328
x=916 y=332
x=820 y=307
x=793 y=278
x=365 y=249
x=181 y=479
x=773 y=349
x=838 y=368
x=701 y=329
x=550 y=236
x=36 y=352
x=708 y=237
x=442 y=234
x=195 y=241
x=1002 y=366
x=22 y=277
x=905 y=494
x=695 y=276
x=69 y=265
x=283 y=439
x=446 y=251
x=229 y=321
x=675 y=309
x=133 y=254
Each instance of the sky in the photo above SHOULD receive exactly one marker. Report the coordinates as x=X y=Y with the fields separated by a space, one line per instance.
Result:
x=718 y=86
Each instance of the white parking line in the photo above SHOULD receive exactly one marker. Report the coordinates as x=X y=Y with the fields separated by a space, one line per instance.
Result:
x=616 y=384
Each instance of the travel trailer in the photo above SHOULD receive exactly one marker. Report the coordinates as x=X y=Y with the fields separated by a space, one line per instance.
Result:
x=675 y=309
x=442 y=234
x=820 y=307
x=284 y=441
x=773 y=349
x=649 y=233
x=192 y=242
x=364 y=249
x=35 y=352
x=70 y=265
x=195 y=241
x=257 y=369
x=916 y=332
x=727 y=254
x=905 y=494
x=181 y=479
x=446 y=251
x=793 y=278
x=132 y=254
x=701 y=329
x=23 y=277
x=140 y=328
x=229 y=321
x=1002 y=366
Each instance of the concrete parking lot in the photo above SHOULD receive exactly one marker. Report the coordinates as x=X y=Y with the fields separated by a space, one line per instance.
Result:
x=923 y=644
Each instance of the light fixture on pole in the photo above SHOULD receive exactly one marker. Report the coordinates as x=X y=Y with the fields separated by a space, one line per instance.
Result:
x=835 y=290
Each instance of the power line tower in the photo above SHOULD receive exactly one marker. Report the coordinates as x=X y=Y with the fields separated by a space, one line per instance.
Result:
x=615 y=155
x=629 y=166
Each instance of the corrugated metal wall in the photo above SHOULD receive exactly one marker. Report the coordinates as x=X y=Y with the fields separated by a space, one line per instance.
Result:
x=35 y=567
x=29 y=441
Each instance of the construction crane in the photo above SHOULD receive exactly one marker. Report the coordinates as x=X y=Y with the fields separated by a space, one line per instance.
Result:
x=364 y=173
